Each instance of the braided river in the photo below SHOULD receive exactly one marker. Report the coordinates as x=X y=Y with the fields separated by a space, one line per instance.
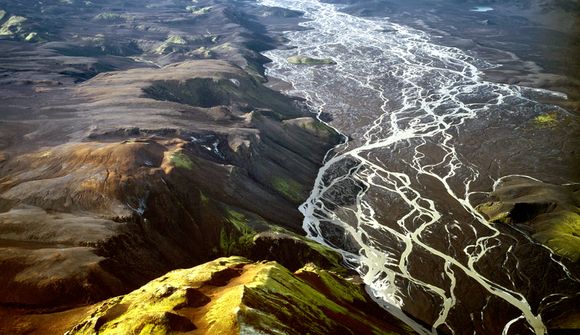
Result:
x=397 y=198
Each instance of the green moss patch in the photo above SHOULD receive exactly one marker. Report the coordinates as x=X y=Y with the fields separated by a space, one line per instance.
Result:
x=561 y=233
x=180 y=160
x=314 y=127
x=289 y=188
x=333 y=257
x=171 y=44
x=176 y=39
x=495 y=212
x=204 y=198
x=335 y=285
x=278 y=301
x=303 y=60
x=203 y=52
x=236 y=237
x=31 y=37
x=276 y=280
x=549 y=119
x=320 y=129
x=550 y=211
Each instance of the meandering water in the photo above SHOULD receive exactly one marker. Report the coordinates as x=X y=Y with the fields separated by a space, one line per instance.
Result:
x=396 y=198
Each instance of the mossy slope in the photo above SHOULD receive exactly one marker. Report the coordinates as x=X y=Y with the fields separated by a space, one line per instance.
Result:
x=235 y=296
x=551 y=211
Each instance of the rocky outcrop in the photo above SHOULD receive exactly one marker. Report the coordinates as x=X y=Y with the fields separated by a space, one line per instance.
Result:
x=235 y=296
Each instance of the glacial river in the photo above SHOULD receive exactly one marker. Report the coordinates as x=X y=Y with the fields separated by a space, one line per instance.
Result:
x=397 y=198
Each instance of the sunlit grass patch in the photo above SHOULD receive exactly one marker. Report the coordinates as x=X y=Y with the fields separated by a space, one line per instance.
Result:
x=548 y=119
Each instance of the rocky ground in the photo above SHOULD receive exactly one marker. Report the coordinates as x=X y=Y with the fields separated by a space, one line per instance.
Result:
x=137 y=137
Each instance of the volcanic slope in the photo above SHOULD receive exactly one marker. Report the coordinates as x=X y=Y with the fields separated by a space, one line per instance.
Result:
x=173 y=166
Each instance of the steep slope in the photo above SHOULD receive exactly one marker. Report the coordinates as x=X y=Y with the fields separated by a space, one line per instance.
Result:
x=235 y=296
